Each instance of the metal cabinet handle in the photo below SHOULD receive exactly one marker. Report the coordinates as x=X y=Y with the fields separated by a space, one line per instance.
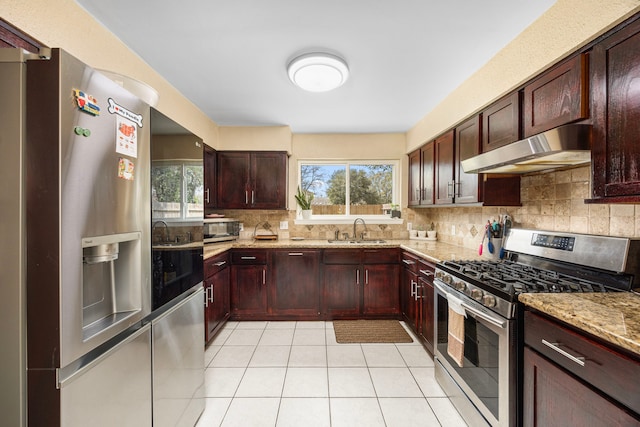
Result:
x=580 y=360
x=451 y=185
x=419 y=295
x=357 y=277
x=417 y=194
x=246 y=197
x=366 y=277
x=264 y=276
x=408 y=261
x=207 y=192
x=247 y=257
x=458 y=185
x=413 y=288
x=427 y=273
x=211 y=295
x=296 y=254
x=253 y=198
x=220 y=263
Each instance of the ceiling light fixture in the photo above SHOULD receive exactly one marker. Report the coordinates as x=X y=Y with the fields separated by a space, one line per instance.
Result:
x=318 y=72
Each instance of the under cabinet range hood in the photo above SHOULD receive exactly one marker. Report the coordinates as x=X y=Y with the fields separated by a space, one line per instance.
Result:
x=563 y=146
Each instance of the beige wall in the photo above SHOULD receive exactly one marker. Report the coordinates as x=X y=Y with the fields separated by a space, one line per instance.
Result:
x=62 y=23
x=566 y=26
x=277 y=138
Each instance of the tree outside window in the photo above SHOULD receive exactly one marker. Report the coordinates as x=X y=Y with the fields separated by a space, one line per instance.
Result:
x=349 y=188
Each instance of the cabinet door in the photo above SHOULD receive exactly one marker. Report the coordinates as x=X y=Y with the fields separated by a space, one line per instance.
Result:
x=427 y=173
x=268 y=180
x=408 y=305
x=341 y=290
x=233 y=180
x=415 y=182
x=380 y=289
x=615 y=108
x=501 y=122
x=467 y=145
x=444 y=186
x=216 y=302
x=425 y=308
x=554 y=398
x=557 y=97
x=209 y=178
x=248 y=290
x=295 y=288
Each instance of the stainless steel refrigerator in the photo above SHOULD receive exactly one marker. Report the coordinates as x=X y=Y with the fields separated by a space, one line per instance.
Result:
x=78 y=216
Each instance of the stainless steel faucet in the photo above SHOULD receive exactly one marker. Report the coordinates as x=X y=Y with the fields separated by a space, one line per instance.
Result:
x=166 y=229
x=355 y=223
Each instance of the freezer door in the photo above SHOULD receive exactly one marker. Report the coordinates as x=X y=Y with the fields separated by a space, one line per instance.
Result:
x=114 y=389
x=178 y=363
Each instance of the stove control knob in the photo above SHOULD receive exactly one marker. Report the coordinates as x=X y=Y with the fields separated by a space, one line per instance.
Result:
x=461 y=286
x=476 y=294
x=489 y=300
x=439 y=275
x=447 y=279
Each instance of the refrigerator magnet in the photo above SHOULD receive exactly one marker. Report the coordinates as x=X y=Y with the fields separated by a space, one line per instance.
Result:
x=86 y=102
x=115 y=108
x=126 y=137
x=125 y=169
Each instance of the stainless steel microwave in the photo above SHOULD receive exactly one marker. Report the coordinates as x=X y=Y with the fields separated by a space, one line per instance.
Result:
x=220 y=229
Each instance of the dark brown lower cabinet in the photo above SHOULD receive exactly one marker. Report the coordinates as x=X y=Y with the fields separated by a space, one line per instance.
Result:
x=360 y=283
x=570 y=379
x=217 y=295
x=249 y=284
x=295 y=283
x=552 y=397
x=417 y=296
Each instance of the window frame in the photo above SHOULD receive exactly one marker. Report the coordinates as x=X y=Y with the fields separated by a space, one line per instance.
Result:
x=183 y=164
x=349 y=218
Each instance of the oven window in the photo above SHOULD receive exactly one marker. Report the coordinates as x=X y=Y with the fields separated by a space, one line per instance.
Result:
x=481 y=356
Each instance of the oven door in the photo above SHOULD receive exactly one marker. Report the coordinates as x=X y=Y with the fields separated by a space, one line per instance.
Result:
x=487 y=376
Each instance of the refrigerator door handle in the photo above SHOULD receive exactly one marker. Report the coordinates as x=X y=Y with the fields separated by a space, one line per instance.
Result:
x=73 y=371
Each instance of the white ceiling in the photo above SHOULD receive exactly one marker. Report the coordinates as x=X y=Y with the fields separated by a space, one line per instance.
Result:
x=229 y=57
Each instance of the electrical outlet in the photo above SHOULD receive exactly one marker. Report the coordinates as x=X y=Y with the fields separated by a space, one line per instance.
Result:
x=409 y=226
x=241 y=226
x=284 y=225
x=453 y=230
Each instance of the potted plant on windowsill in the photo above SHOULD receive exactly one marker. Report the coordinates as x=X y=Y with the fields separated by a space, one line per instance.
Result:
x=304 y=199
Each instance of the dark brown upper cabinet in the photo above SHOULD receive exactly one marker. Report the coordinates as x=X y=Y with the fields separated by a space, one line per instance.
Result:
x=557 y=97
x=421 y=175
x=615 y=111
x=252 y=180
x=501 y=122
x=210 y=179
x=444 y=169
x=467 y=139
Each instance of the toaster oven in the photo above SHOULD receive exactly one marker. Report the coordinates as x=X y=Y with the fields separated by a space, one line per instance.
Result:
x=220 y=229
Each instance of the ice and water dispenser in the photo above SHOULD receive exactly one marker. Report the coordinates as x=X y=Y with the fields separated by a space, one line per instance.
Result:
x=111 y=287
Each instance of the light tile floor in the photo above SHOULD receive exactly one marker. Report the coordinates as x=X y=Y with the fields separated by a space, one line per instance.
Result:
x=296 y=374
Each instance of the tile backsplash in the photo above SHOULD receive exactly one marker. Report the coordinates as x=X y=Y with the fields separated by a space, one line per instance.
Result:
x=550 y=201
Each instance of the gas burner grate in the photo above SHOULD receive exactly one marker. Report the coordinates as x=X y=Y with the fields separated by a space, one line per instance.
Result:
x=515 y=278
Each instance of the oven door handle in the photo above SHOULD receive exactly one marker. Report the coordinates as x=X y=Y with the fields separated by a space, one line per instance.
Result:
x=487 y=318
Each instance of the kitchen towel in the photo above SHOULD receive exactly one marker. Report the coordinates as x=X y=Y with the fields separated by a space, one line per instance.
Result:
x=455 y=341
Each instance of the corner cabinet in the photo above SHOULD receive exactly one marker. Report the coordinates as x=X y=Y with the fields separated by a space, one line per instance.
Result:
x=252 y=179
x=615 y=109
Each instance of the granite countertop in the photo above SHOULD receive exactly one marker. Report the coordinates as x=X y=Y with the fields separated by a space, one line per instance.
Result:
x=613 y=317
x=434 y=251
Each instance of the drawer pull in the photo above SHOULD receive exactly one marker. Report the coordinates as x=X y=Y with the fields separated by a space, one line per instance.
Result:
x=408 y=262
x=220 y=263
x=426 y=273
x=247 y=257
x=580 y=360
x=296 y=254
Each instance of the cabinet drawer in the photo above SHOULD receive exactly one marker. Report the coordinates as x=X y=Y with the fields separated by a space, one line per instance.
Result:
x=215 y=264
x=380 y=256
x=604 y=368
x=410 y=262
x=426 y=269
x=249 y=257
x=342 y=256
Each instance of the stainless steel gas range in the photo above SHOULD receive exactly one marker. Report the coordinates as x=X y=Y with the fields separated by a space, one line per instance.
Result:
x=478 y=319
